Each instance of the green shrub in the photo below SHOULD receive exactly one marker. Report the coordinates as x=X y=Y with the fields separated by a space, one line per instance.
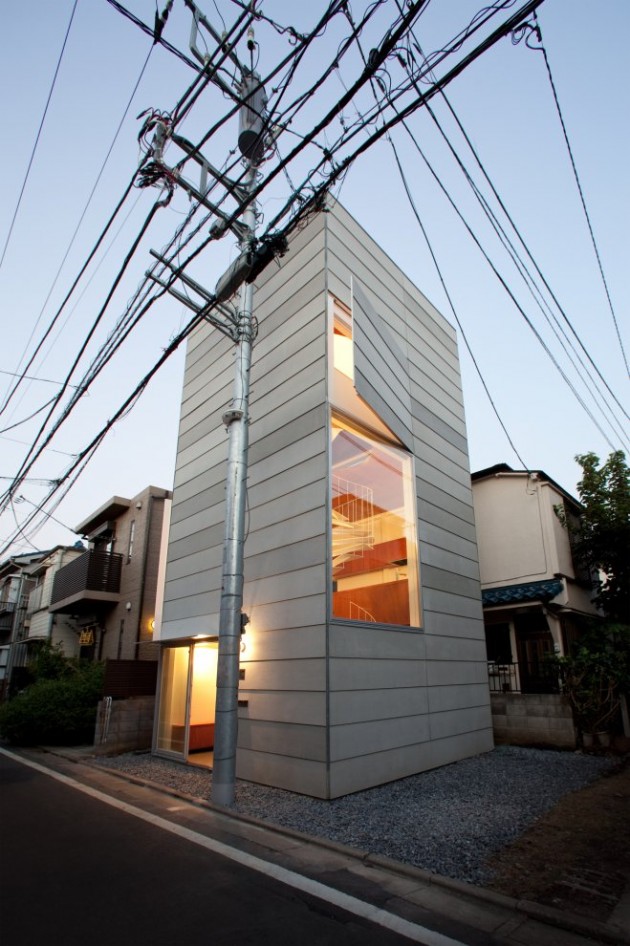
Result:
x=48 y=662
x=595 y=675
x=58 y=711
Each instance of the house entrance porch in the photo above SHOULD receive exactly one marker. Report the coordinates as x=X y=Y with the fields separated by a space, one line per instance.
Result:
x=186 y=702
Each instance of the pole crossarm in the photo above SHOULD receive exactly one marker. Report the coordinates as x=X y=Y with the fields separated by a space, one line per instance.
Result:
x=233 y=187
x=185 y=278
x=213 y=311
x=227 y=222
x=198 y=17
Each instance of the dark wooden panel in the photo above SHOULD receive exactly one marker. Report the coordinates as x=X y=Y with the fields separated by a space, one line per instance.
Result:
x=124 y=678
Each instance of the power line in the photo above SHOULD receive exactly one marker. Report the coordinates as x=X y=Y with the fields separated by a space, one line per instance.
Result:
x=102 y=357
x=31 y=377
x=508 y=26
x=26 y=443
x=318 y=191
x=57 y=314
x=387 y=44
x=32 y=479
x=20 y=529
x=87 y=204
x=452 y=306
x=203 y=78
x=23 y=499
x=86 y=454
x=521 y=266
x=39 y=131
x=108 y=349
x=393 y=35
x=580 y=191
x=30 y=417
x=525 y=246
x=519 y=263
x=37 y=450
x=150 y=31
x=440 y=275
x=507 y=288
x=11 y=393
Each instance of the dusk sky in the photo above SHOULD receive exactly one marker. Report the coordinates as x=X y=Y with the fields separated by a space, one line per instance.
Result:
x=504 y=101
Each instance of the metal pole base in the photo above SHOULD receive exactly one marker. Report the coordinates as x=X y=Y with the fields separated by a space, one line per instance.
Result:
x=223 y=794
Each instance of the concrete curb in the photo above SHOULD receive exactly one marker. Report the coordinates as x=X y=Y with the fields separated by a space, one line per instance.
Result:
x=602 y=932
x=605 y=932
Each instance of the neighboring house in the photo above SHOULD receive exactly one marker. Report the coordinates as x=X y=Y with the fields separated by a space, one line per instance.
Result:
x=535 y=599
x=364 y=657
x=16 y=582
x=110 y=590
x=43 y=625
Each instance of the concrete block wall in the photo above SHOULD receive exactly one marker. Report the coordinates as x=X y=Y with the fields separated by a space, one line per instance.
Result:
x=130 y=725
x=526 y=719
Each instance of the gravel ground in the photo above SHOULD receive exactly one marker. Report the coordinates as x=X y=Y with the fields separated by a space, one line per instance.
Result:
x=448 y=820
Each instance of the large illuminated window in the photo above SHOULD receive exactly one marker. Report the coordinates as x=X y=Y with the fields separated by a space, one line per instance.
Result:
x=374 y=566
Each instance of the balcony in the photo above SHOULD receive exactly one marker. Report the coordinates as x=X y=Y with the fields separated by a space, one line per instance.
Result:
x=7 y=611
x=91 y=580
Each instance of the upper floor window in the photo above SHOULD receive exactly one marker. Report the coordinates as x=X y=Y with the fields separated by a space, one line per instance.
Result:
x=132 y=533
x=343 y=358
x=373 y=518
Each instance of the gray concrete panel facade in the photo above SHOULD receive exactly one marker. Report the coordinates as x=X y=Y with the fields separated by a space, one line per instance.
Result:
x=332 y=706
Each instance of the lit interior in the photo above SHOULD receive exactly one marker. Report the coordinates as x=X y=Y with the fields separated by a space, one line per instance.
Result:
x=373 y=529
x=200 y=662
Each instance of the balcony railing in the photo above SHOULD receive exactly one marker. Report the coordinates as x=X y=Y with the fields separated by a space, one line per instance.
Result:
x=522 y=677
x=94 y=575
x=6 y=623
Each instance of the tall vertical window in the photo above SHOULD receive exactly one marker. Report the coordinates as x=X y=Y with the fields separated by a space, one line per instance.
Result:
x=373 y=519
x=343 y=359
x=374 y=564
x=132 y=533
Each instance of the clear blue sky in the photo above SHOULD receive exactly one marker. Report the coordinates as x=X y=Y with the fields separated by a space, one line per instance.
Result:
x=504 y=101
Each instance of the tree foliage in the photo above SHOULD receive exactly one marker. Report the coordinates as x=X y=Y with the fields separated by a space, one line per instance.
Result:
x=596 y=674
x=602 y=541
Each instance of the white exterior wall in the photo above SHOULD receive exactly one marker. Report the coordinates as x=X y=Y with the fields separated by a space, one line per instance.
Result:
x=332 y=707
x=9 y=590
x=519 y=534
x=513 y=542
x=521 y=539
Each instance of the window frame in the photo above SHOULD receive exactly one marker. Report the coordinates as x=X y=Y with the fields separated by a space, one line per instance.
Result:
x=132 y=537
x=357 y=414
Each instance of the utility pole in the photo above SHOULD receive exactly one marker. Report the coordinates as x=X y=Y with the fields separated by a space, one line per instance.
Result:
x=239 y=326
x=237 y=422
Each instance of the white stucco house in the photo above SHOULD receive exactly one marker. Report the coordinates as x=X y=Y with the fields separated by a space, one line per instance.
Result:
x=60 y=630
x=535 y=599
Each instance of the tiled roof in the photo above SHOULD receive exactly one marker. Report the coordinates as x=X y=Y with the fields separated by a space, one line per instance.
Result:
x=528 y=591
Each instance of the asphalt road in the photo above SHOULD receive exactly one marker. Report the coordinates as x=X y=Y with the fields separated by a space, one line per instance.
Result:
x=74 y=870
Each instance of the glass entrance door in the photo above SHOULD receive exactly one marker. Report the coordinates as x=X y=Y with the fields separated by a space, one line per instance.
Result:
x=173 y=706
x=203 y=698
x=187 y=696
